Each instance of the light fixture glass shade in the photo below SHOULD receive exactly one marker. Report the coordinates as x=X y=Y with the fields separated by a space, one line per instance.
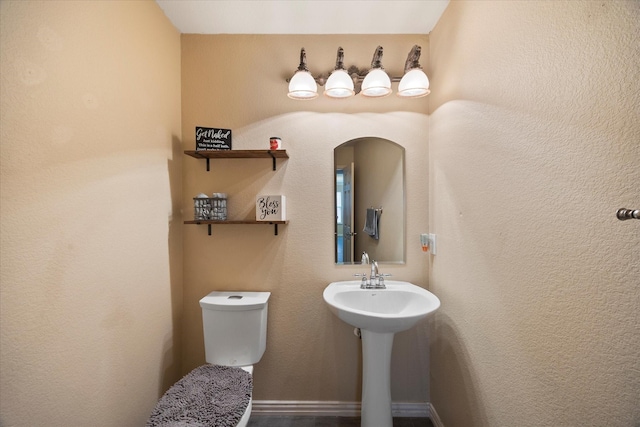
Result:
x=414 y=84
x=302 y=86
x=339 y=85
x=376 y=83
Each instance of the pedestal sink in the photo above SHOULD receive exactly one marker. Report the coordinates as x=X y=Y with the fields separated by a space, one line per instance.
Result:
x=379 y=313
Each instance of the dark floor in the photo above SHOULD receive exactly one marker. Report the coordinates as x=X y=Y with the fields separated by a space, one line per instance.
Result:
x=310 y=421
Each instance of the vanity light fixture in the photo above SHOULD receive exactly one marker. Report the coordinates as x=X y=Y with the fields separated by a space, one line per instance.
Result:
x=377 y=82
x=414 y=83
x=373 y=83
x=302 y=85
x=339 y=84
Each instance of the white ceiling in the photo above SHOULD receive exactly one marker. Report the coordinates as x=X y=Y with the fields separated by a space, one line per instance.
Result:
x=304 y=16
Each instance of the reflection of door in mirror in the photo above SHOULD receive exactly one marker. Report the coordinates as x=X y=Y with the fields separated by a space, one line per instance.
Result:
x=369 y=173
x=344 y=214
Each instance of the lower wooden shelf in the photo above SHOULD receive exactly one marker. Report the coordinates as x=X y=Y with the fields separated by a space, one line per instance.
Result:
x=209 y=223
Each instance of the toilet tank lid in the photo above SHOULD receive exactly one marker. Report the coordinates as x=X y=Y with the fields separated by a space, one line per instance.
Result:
x=235 y=300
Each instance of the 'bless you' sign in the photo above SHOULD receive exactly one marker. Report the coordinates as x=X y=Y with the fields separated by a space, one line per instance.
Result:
x=213 y=139
x=271 y=208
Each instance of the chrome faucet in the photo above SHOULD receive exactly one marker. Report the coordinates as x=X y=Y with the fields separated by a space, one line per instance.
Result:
x=375 y=280
x=374 y=271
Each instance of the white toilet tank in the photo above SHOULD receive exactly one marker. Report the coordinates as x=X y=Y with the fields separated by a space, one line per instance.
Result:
x=235 y=327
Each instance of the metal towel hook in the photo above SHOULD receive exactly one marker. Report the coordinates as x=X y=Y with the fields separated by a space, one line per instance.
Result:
x=624 y=214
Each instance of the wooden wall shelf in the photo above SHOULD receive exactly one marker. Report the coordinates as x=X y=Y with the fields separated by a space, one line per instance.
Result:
x=238 y=154
x=209 y=223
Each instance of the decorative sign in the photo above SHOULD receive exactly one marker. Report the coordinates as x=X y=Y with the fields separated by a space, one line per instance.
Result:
x=271 y=208
x=213 y=139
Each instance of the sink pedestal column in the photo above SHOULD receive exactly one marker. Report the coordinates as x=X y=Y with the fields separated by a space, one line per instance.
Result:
x=376 y=379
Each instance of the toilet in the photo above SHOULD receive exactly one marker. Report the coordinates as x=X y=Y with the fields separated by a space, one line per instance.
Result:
x=235 y=331
x=235 y=335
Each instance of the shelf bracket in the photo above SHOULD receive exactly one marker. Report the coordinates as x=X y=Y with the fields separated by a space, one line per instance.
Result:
x=209 y=227
x=208 y=168
x=275 y=228
x=273 y=157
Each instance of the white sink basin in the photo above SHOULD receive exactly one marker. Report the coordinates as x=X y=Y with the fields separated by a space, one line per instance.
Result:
x=397 y=308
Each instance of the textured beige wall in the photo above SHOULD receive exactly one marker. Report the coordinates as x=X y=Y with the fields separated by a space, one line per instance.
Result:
x=534 y=144
x=90 y=222
x=238 y=82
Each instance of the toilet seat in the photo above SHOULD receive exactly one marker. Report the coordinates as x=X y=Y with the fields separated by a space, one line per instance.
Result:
x=247 y=412
x=208 y=394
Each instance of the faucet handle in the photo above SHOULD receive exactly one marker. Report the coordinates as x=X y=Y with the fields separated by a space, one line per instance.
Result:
x=363 y=282
x=380 y=279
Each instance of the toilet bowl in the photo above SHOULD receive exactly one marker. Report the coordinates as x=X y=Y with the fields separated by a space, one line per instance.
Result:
x=235 y=332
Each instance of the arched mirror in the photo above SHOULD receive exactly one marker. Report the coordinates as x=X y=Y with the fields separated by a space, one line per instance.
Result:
x=369 y=204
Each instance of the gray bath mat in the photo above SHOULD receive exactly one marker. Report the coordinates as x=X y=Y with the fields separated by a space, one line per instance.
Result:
x=208 y=396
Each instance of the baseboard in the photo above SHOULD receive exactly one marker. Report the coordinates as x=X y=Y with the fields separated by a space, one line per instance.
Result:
x=306 y=407
x=435 y=419
x=335 y=408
